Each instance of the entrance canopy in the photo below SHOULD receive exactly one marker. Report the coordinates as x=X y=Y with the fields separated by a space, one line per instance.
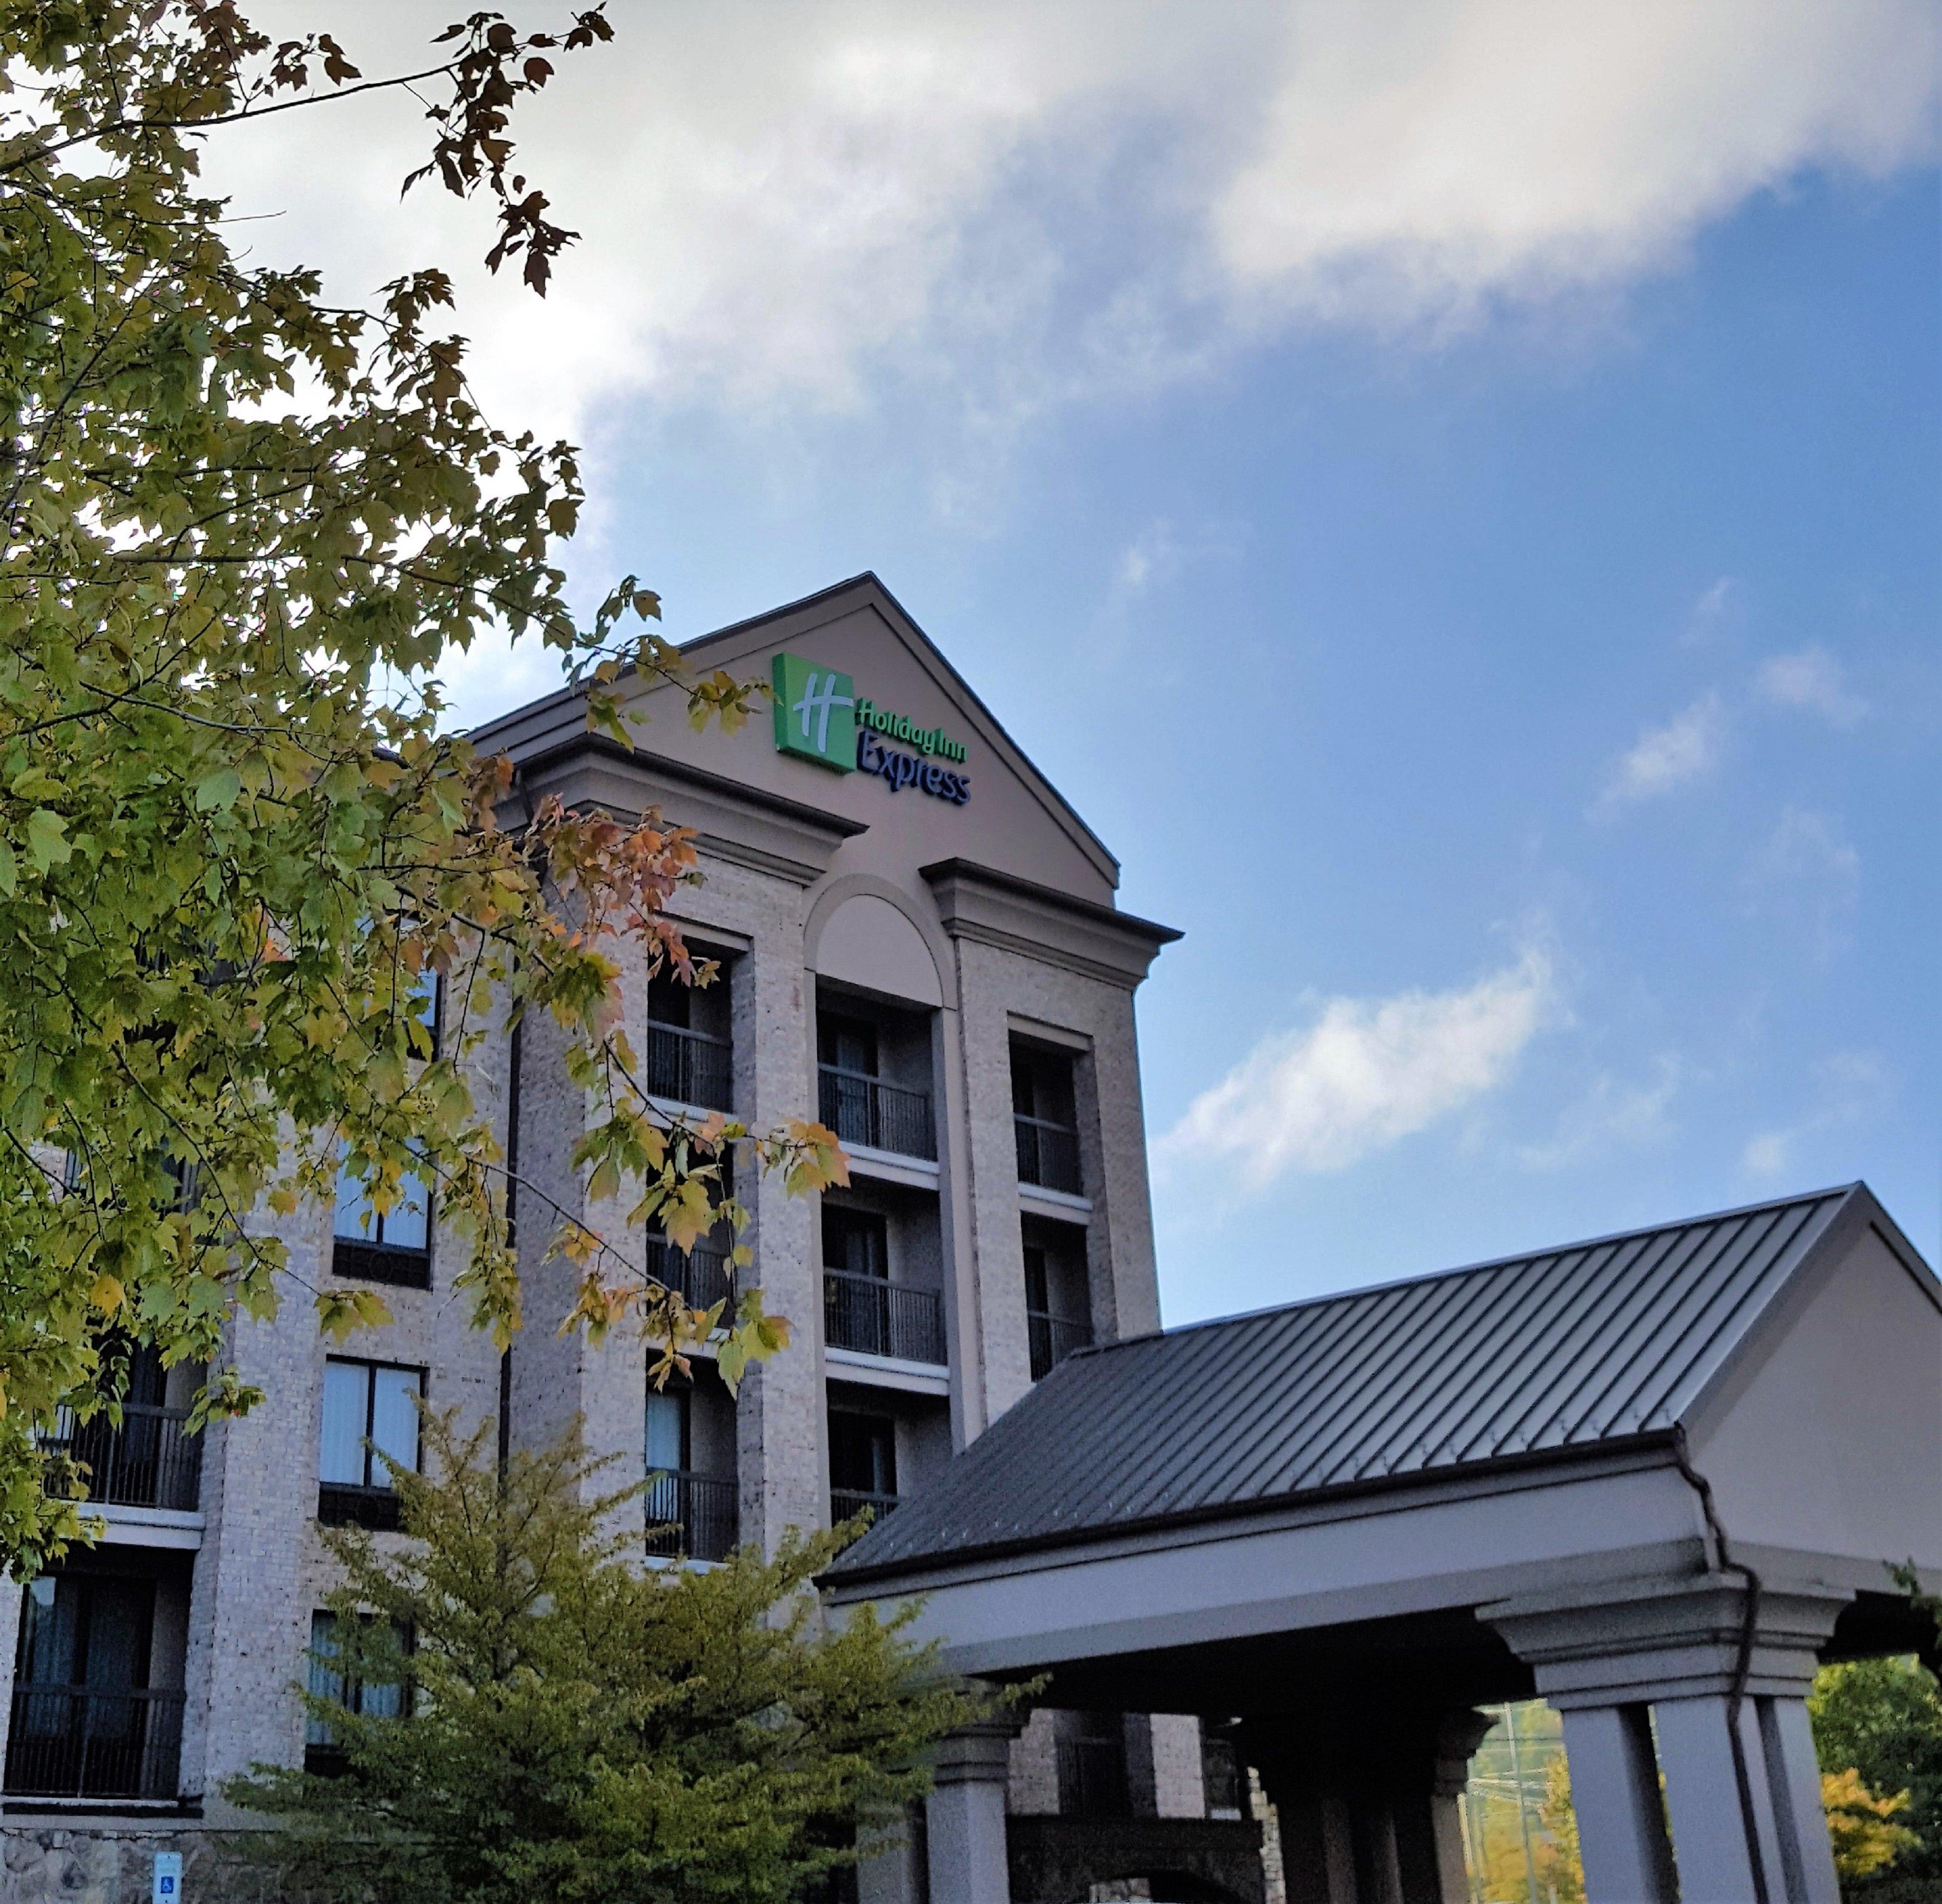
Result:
x=1567 y=1473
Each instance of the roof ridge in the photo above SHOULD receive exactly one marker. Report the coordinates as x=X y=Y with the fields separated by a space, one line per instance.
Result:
x=1841 y=1190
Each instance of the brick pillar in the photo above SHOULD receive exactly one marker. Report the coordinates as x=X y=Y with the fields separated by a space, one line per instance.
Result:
x=965 y=1815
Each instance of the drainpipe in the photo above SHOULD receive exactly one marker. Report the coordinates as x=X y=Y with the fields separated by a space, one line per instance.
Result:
x=1743 y=1663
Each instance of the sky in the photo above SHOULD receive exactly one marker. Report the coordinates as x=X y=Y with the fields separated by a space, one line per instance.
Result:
x=1449 y=491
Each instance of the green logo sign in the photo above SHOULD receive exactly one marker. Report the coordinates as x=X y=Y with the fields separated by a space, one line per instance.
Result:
x=815 y=713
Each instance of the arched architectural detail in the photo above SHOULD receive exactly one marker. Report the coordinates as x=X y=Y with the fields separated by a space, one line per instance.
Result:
x=849 y=936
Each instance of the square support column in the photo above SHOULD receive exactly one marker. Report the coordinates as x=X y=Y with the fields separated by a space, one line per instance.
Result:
x=968 y=1859
x=1621 y=1836
x=889 y=1870
x=1742 y=1795
x=1366 y=1802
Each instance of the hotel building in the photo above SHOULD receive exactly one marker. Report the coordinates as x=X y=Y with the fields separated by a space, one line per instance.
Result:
x=919 y=946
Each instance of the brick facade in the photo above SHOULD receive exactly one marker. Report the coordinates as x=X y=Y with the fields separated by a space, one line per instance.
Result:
x=1007 y=932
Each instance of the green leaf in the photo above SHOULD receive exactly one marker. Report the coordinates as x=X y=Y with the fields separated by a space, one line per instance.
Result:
x=46 y=839
x=218 y=791
x=9 y=871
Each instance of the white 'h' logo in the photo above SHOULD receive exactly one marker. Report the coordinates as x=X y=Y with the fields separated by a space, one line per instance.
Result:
x=819 y=704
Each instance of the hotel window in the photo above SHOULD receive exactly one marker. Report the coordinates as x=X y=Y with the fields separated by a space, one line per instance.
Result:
x=690 y=1050
x=667 y=1430
x=1057 y=1299
x=322 y=1753
x=854 y=1242
x=862 y=1464
x=370 y=1410
x=392 y=1246
x=1044 y=1121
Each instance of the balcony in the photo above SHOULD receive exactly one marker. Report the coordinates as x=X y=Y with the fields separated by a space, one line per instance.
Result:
x=151 y=1460
x=1048 y=1154
x=690 y=1067
x=74 y=1742
x=1052 y=1338
x=872 y=1316
x=692 y=1516
x=845 y=1504
x=701 y=1277
x=864 y=1110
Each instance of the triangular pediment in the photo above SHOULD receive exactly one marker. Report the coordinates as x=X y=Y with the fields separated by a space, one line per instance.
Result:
x=998 y=809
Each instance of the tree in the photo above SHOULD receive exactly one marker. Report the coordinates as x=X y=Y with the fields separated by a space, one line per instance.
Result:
x=1565 y=1865
x=1867 y=1838
x=1881 y=1719
x=241 y=525
x=558 y=1723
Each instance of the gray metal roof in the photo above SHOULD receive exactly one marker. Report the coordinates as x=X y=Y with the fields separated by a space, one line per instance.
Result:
x=1596 y=1342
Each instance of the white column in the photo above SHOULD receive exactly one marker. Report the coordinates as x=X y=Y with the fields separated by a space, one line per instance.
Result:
x=1794 y=1773
x=966 y=1812
x=1722 y=1825
x=1614 y=1792
x=1742 y=1795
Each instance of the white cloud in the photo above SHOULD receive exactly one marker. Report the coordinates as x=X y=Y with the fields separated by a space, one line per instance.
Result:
x=1365 y=1073
x=1810 y=845
x=1813 y=680
x=783 y=203
x=1662 y=758
x=1610 y=1116
x=1846 y=1087
x=1807 y=869
x=1714 y=609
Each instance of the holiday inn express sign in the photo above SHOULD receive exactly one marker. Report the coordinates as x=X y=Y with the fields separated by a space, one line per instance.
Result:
x=820 y=717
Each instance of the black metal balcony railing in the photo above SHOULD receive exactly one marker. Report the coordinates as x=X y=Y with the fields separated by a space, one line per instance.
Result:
x=845 y=1504
x=1048 y=1154
x=1092 y=1779
x=701 y=1277
x=876 y=1317
x=691 y=1516
x=864 y=1110
x=690 y=1066
x=151 y=1460
x=73 y=1742
x=1052 y=1338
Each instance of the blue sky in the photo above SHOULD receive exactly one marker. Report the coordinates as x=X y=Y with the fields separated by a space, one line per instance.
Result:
x=1497 y=621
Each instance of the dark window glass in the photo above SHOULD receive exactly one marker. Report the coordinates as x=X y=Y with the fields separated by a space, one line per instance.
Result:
x=862 y=1454
x=849 y=1044
x=1041 y=1086
x=86 y=1629
x=1038 y=1292
x=854 y=1240
x=669 y=1001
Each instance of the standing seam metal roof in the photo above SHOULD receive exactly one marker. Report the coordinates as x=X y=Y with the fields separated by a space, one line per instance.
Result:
x=1563 y=1349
